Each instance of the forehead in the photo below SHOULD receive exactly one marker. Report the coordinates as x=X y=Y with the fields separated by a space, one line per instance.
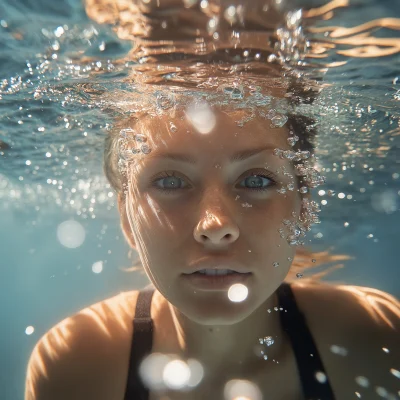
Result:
x=225 y=131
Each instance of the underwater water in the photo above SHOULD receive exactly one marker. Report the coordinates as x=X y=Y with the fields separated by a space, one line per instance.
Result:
x=64 y=76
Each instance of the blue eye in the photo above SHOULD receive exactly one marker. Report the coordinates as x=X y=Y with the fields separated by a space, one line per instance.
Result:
x=169 y=180
x=258 y=182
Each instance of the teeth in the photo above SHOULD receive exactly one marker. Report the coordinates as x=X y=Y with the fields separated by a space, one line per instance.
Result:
x=216 y=271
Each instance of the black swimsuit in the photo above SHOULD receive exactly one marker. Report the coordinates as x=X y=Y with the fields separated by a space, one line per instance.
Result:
x=293 y=322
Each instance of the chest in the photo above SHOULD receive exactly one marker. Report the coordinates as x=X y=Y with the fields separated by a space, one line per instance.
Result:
x=275 y=381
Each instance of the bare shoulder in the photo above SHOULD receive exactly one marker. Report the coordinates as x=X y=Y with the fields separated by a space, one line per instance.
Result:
x=86 y=355
x=360 y=304
x=356 y=330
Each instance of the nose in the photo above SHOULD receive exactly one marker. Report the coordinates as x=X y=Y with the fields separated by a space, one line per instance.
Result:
x=216 y=230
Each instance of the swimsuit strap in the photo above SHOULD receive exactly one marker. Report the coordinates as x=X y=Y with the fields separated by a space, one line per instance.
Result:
x=309 y=363
x=142 y=343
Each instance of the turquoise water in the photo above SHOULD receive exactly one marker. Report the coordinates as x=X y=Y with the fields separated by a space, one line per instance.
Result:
x=56 y=64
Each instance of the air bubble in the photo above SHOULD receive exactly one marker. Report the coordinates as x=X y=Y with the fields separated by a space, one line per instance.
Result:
x=241 y=389
x=381 y=391
x=145 y=149
x=395 y=372
x=165 y=101
x=189 y=3
x=279 y=120
x=172 y=127
x=320 y=377
x=238 y=293
x=339 y=350
x=267 y=340
x=362 y=381
x=140 y=138
x=230 y=14
x=237 y=94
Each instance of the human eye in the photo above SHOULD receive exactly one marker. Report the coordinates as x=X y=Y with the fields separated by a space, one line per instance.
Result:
x=168 y=182
x=260 y=180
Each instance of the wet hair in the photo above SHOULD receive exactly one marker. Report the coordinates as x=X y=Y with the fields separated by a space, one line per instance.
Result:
x=304 y=127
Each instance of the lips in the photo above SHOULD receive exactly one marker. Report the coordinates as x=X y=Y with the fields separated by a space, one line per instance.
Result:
x=216 y=282
x=219 y=263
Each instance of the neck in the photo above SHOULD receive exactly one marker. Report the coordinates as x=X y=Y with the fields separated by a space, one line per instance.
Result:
x=235 y=346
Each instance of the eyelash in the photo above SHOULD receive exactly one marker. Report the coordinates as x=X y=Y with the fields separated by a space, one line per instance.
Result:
x=264 y=174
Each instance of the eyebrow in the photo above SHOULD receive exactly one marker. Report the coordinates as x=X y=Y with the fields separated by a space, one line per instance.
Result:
x=237 y=157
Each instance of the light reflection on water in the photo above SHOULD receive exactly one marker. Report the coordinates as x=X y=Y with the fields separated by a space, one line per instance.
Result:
x=59 y=89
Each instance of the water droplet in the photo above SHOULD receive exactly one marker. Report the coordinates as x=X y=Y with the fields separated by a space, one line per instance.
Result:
x=275 y=264
x=298 y=275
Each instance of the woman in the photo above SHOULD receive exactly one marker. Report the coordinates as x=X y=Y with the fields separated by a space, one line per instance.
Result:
x=215 y=199
x=199 y=193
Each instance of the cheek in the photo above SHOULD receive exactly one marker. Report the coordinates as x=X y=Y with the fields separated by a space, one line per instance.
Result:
x=269 y=216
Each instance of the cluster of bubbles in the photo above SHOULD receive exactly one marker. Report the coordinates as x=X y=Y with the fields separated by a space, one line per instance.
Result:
x=266 y=341
x=298 y=228
x=292 y=43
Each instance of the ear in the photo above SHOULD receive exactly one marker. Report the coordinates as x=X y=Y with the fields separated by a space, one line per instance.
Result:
x=125 y=226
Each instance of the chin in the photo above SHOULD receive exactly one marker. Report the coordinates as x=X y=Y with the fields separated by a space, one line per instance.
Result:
x=216 y=309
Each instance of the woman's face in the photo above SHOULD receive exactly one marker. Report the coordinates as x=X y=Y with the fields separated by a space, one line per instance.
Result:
x=211 y=209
